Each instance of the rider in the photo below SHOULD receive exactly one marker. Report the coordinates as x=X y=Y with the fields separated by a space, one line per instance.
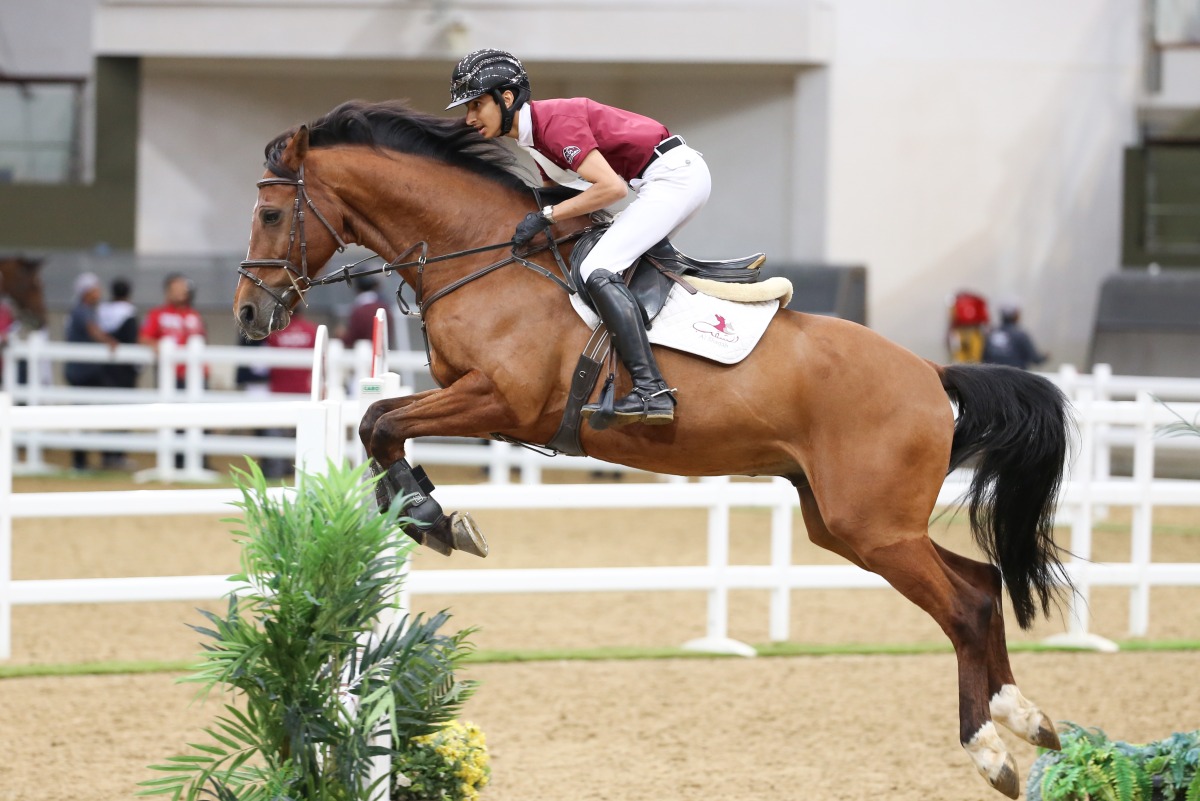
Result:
x=607 y=147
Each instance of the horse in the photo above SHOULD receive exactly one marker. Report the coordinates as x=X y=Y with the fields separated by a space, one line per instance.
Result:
x=865 y=430
x=21 y=282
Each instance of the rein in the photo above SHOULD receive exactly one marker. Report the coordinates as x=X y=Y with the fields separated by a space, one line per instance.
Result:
x=296 y=274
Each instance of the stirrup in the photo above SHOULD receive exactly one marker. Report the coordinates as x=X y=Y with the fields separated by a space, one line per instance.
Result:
x=646 y=415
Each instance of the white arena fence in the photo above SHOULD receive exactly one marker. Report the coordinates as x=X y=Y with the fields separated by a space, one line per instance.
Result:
x=320 y=426
x=342 y=369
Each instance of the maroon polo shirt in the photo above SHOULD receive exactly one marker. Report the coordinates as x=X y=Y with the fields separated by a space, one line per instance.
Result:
x=567 y=130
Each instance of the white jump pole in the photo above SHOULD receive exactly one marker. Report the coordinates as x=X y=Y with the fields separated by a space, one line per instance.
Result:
x=382 y=384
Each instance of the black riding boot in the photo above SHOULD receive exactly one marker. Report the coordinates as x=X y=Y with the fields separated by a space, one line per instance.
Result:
x=651 y=401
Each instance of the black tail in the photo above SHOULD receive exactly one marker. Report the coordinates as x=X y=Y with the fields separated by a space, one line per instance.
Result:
x=1016 y=426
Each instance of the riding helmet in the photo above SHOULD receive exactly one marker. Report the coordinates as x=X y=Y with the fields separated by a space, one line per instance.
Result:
x=490 y=71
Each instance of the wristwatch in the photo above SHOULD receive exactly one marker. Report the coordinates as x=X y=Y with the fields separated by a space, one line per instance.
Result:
x=548 y=213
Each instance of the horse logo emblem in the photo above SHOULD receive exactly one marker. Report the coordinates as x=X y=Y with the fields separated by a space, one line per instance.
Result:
x=570 y=153
x=721 y=329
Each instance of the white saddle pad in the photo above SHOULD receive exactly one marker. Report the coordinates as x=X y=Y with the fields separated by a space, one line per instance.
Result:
x=716 y=329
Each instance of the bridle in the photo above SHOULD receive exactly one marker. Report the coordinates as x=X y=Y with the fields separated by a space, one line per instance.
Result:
x=295 y=274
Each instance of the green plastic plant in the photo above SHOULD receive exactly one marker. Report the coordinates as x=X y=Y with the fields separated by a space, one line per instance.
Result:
x=314 y=688
x=1090 y=767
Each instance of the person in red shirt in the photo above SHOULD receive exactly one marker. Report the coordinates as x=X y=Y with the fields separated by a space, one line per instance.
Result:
x=175 y=319
x=300 y=333
x=611 y=150
x=361 y=322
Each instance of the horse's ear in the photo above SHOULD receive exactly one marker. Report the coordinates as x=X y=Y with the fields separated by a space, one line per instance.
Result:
x=296 y=150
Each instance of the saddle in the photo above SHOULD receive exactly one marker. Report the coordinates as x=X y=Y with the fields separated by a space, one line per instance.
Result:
x=650 y=280
x=663 y=266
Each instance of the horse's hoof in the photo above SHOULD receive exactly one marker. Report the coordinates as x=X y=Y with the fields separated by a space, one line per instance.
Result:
x=1023 y=717
x=457 y=532
x=1046 y=736
x=993 y=761
x=432 y=539
x=1007 y=780
x=465 y=535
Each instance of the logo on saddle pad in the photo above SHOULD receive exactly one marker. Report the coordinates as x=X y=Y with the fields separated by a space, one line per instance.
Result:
x=721 y=329
x=570 y=153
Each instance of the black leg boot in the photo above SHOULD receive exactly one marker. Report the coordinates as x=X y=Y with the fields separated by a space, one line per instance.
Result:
x=428 y=525
x=651 y=401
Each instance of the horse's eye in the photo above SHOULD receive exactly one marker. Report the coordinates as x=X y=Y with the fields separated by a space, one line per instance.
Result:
x=271 y=216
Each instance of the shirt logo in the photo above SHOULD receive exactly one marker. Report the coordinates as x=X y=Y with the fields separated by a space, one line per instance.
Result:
x=570 y=153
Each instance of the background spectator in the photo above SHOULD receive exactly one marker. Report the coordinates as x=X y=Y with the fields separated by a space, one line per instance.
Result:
x=118 y=318
x=82 y=326
x=1009 y=344
x=175 y=319
x=361 y=322
x=300 y=333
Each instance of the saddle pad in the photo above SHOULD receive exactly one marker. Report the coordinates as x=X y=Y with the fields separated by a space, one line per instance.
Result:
x=720 y=330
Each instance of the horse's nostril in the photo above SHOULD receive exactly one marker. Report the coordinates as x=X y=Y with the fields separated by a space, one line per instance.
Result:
x=246 y=315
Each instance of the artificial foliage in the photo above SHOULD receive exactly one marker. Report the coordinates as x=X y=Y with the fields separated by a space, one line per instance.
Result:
x=449 y=765
x=313 y=688
x=1091 y=767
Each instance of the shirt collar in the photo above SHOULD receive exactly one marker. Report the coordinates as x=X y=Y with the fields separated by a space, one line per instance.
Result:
x=525 y=126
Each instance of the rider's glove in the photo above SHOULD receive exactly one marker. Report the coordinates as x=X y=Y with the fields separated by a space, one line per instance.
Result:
x=534 y=223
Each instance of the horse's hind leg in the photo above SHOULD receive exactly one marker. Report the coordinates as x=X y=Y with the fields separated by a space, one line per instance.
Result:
x=903 y=554
x=1008 y=706
x=912 y=566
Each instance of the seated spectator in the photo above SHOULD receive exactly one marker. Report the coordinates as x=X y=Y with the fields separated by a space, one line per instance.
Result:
x=1009 y=343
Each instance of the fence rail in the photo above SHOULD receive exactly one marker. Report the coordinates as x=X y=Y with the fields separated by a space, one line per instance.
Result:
x=319 y=427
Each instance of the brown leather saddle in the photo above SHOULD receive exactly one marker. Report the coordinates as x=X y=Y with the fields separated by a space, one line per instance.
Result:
x=650 y=280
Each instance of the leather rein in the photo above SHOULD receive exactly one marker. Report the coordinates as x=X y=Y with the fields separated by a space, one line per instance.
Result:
x=301 y=281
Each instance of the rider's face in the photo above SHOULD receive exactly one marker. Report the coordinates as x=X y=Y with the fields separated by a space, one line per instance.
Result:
x=483 y=114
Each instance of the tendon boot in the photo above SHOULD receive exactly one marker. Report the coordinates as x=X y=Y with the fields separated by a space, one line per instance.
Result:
x=651 y=401
x=426 y=523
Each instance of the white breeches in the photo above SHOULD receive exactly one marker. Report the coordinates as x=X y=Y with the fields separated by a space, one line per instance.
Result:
x=671 y=191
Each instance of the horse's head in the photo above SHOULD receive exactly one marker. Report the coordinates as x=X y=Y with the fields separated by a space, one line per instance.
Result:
x=21 y=281
x=284 y=253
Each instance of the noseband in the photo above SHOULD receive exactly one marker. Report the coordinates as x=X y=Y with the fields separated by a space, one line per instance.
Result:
x=296 y=274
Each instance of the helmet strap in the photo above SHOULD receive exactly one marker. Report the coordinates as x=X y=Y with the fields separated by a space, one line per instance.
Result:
x=506 y=112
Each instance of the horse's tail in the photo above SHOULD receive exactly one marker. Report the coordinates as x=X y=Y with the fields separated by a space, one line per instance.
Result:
x=1015 y=426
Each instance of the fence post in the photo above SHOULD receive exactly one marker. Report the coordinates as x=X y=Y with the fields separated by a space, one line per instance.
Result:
x=6 y=474
x=716 y=639
x=1102 y=467
x=193 y=461
x=1143 y=514
x=499 y=462
x=164 y=469
x=781 y=559
x=34 y=463
x=1077 y=635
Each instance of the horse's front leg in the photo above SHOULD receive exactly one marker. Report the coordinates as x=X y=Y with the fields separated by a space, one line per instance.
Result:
x=470 y=407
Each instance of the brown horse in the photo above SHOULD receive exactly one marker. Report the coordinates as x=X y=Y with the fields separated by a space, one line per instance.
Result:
x=864 y=429
x=22 y=284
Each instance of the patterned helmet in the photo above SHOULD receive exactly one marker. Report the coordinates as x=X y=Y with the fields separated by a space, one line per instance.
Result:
x=486 y=72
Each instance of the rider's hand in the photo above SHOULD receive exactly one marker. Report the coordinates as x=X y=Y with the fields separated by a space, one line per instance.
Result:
x=534 y=223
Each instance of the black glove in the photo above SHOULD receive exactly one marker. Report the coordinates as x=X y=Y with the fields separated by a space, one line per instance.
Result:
x=534 y=223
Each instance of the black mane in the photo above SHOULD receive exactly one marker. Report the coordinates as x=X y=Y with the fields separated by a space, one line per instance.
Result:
x=395 y=126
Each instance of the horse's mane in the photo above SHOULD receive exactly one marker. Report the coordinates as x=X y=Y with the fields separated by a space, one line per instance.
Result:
x=395 y=126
